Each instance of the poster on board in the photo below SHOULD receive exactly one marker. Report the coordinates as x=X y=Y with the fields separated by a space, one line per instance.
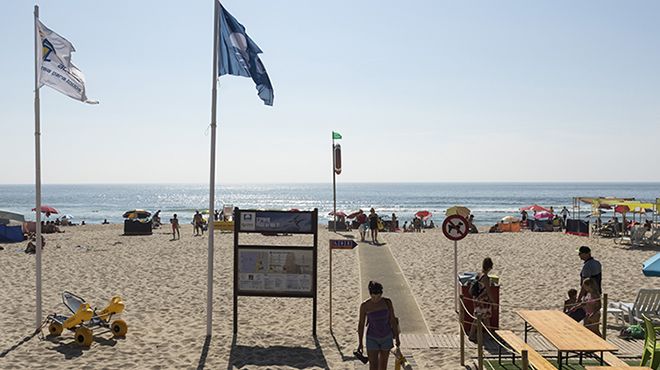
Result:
x=275 y=222
x=275 y=270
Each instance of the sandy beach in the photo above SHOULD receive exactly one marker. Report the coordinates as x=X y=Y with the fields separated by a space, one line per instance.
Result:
x=163 y=284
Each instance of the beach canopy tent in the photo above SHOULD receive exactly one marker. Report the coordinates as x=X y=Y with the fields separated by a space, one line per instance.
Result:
x=11 y=234
x=6 y=216
x=535 y=208
x=458 y=210
x=136 y=213
x=652 y=266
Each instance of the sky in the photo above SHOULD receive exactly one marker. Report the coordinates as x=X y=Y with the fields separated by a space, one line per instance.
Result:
x=422 y=91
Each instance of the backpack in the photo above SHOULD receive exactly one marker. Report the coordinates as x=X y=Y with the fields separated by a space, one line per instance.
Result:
x=475 y=287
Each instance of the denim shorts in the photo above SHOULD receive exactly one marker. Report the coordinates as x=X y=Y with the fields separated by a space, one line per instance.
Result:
x=380 y=344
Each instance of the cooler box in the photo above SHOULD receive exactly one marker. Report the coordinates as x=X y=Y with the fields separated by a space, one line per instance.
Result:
x=469 y=305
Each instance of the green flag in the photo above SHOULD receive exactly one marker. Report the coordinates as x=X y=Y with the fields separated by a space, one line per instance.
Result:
x=336 y=135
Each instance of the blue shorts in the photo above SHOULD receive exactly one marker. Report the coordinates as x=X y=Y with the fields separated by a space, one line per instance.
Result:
x=380 y=344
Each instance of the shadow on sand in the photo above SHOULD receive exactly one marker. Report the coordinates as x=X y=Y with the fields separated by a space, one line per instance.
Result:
x=295 y=357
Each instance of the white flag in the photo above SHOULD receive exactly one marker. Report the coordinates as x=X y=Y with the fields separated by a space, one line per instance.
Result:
x=55 y=67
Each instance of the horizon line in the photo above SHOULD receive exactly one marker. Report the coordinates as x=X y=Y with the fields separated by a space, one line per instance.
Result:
x=345 y=182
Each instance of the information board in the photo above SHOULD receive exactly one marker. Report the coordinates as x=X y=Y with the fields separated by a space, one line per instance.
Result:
x=280 y=271
x=275 y=222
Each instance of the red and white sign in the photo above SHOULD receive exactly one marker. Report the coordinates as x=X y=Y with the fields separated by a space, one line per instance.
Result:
x=455 y=227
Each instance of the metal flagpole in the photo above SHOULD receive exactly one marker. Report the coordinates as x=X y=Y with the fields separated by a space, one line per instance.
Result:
x=334 y=185
x=37 y=165
x=214 y=97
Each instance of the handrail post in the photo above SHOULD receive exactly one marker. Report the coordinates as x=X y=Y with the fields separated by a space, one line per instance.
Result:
x=461 y=332
x=604 y=309
x=525 y=360
x=480 y=344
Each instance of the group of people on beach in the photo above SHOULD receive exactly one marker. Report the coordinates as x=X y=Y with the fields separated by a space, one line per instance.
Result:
x=585 y=306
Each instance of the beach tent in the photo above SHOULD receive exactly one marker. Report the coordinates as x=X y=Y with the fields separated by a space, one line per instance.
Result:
x=652 y=266
x=11 y=234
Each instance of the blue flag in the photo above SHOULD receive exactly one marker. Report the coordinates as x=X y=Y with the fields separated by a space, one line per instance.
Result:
x=238 y=55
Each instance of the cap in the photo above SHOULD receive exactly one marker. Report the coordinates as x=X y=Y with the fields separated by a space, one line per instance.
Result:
x=584 y=249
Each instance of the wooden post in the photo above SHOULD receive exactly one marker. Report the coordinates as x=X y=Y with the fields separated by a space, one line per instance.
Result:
x=461 y=332
x=480 y=344
x=525 y=360
x=604 y=310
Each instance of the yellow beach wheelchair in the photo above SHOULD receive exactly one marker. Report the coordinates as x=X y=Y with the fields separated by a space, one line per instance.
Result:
x=84 y=319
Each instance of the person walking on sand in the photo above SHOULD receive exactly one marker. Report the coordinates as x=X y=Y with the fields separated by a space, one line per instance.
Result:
x=564 y=216
x=197 y=223
x=373 y=225
x=175 y=228
x=362 y=224
x=377 y=313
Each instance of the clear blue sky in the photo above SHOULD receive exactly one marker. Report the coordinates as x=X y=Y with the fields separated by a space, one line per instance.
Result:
x=420 y=90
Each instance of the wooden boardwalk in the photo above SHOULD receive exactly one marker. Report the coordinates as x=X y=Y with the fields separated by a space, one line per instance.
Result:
x=627 y=348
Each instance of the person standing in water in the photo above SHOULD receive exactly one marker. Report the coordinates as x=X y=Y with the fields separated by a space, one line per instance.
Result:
x=377 y=313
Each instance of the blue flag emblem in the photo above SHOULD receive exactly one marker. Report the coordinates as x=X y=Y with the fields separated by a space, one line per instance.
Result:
x=238 y=55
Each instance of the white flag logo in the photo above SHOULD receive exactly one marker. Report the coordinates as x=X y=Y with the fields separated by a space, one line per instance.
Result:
x=55 y=67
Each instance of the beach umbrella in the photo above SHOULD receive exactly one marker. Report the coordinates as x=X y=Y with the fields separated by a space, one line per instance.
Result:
x=458 y=210
x=294 y=210
x=136 y=213
x=543 y=215
x=535 y=208
x=47 y=210
x=622 y=209
x=67 y=216
x=339 y=214
x=652 y=266
x=353 y=214
x=510 y=219
x=423 y=214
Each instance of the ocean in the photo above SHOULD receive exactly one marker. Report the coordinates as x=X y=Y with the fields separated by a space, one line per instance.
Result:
x=489 y=202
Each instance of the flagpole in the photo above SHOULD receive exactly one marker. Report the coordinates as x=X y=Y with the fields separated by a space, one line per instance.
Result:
x=334 y=185
x=214 y=98
x=37 y=166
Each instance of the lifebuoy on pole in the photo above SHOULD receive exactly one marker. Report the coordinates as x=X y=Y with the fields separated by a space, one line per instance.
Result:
x=337 y=154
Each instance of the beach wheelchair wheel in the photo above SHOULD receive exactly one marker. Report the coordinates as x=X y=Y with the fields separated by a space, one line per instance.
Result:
x=119 y=328
x=55 y=328
x=84 y=336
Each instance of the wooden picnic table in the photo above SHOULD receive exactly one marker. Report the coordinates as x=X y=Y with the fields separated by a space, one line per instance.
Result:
x=617 y=368
x=564 y=333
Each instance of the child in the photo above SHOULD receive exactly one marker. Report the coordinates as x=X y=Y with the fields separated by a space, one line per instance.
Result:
x=571 y=302
x=591 y=304
x=175 y=228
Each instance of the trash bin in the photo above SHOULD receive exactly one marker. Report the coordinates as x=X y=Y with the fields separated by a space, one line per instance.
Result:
x=465 y=279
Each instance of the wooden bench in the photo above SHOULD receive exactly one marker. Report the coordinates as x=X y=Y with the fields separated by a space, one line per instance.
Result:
x=517 y=343
x=610 y=359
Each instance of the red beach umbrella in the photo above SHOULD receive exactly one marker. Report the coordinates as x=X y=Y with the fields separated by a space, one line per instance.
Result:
x=339 y=214
x=353 y=214
x=423 y=214
x=536 y=208
x=47 y=210
x=294 y=210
